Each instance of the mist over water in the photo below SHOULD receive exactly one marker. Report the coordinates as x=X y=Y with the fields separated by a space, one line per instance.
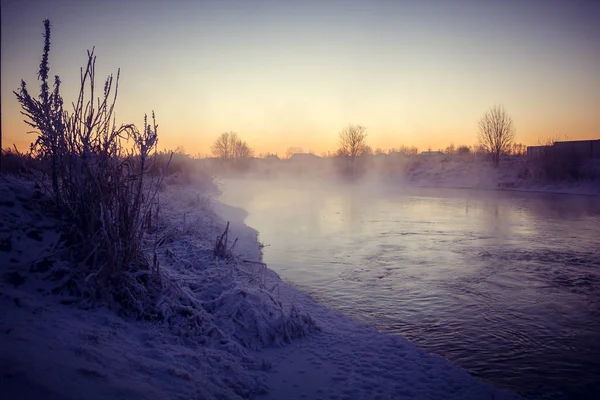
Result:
x=503 y=284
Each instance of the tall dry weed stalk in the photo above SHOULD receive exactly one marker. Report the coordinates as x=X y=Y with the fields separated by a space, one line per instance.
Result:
x=98 y=177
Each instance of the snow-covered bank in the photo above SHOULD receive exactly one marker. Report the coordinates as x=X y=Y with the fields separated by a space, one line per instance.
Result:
x=511 y=175
x=347 y=360
x=232 y=330
x=215 y=314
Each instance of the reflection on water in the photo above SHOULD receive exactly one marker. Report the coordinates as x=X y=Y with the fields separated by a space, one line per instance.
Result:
x=506 y=285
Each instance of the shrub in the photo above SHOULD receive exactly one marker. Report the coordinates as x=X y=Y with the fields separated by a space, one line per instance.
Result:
x=169 y=163
x=99 y=181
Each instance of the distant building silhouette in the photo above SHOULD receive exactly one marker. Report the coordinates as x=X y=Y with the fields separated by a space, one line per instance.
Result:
x=304 y=157
x=432 y=153
x=584 y=149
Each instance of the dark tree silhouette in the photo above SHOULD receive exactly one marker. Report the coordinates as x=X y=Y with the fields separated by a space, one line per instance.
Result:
x=232 y=150
x=496 y=132
x=229 y=146
x=223 y=147
x=352 y=141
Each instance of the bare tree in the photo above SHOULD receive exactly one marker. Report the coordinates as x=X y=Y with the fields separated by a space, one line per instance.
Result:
x=223 y=146
x=404 y=150
x=352 y=141
x=230 y=148
x=518 y=149
x=496 y=132
x=241 y=150
x=450 y=150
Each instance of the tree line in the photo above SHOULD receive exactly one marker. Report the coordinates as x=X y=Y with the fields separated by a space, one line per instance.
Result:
x=496 y=136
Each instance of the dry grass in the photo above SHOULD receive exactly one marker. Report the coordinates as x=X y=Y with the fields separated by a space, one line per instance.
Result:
x=15 y=162
x=98 y=177
x=222 y=248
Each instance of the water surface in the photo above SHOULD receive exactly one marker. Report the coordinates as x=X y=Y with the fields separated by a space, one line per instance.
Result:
x=503 y=284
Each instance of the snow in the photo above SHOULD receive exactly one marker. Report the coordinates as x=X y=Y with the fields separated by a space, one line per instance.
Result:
x=229 y=331
x=348 y=360
x=478 y=174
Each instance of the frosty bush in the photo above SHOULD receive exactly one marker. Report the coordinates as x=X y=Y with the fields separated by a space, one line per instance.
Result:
x=97 y=175
x=104 y=180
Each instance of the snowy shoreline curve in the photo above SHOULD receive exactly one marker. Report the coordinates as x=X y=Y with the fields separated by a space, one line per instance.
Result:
x=253 y=336
x=351 y=360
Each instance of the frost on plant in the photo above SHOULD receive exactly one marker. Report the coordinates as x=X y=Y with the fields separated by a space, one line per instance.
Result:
x=97 y=175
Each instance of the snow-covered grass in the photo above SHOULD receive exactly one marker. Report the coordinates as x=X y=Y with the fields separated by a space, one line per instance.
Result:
x=512 y=174
x=212 y=312
x=224 y=329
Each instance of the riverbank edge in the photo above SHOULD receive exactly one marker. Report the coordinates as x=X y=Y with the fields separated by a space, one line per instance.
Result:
x=51 y=349
x=237 y=216
x=570 y=191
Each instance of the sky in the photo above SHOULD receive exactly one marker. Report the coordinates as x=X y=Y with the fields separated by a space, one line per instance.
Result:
x=294 y=73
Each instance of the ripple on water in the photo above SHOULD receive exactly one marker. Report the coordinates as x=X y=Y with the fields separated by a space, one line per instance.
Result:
x=508 y=287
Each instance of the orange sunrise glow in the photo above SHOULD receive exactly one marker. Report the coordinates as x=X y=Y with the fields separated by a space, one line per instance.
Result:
x=286 y=74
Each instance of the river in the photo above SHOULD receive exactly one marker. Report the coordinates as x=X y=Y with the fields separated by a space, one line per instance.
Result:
x=504 y=284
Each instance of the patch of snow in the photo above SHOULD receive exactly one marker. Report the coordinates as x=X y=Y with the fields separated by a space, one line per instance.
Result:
x=477 y=174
